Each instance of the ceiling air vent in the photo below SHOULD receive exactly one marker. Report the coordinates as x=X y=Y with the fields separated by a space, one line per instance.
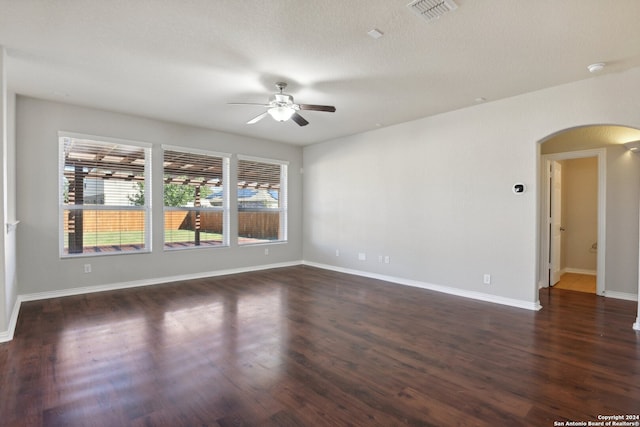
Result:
x=431 y=9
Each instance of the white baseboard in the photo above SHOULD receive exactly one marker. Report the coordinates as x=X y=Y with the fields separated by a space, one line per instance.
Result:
x=433 y=287
x=636 y=325
x=580 y=271
x=150 y=282
x=8 y=334
x=621 y=295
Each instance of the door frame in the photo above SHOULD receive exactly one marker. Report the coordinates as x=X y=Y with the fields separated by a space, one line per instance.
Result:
x=554 y=170
x=545 y=237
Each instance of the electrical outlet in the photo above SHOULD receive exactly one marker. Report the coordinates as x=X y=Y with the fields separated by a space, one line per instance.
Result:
x=387 y=260
x=266 y=251
x=486 y=279
x=337 y=252
x=379 y=258
x=87 y=268
x=362 y=256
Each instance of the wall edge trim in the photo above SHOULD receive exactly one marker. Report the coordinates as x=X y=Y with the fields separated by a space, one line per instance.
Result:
x=480 y=296
x=6 y=336
x=621 y=295
x=580 y=271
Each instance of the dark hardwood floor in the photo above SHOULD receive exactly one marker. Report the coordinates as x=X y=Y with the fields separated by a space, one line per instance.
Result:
x=302 y=346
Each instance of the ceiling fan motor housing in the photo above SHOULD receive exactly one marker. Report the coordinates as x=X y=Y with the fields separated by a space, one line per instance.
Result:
x=282 y=99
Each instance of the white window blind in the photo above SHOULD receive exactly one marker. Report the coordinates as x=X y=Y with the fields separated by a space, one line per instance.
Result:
x=104 y=205
x=262 y=200
x=195 y=202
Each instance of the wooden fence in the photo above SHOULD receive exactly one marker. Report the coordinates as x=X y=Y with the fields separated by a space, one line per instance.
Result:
x=259 y=225
x=252 y=224
x=99 y=220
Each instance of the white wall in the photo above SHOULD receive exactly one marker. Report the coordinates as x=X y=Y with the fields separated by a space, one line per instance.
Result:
x=40 y=268
x=435 y=194
x=4 y=119
x=623 y=181
x=580 y=214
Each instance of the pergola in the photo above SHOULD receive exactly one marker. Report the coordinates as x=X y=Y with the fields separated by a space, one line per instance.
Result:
x=86 y=159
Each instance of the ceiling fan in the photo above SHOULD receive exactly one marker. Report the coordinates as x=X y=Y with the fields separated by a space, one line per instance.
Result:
x=282 y=108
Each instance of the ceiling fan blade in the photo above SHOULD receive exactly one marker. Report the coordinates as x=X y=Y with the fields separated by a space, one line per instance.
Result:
x=327 y=108
x=257 y=118
x=299 y=119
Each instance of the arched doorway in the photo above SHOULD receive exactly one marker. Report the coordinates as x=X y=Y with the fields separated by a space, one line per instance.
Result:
x=611 y=247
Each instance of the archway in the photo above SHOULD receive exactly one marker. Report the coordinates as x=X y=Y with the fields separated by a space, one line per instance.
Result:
x=618 y=203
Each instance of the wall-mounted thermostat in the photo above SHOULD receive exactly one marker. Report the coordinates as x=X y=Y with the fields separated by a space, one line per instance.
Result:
x=519 y=188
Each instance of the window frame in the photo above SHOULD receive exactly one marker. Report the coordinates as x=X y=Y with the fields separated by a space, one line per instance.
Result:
x=225 y=209
x=146 y=208
x=283 y=205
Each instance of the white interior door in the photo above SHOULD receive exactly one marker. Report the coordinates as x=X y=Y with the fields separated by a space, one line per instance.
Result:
x=555 y=222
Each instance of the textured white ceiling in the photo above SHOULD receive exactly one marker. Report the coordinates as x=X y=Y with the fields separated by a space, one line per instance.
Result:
x=184 y=60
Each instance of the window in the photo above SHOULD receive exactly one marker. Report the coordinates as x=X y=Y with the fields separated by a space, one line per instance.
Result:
x=104 y=200
x=195 y=202
x=262 y=200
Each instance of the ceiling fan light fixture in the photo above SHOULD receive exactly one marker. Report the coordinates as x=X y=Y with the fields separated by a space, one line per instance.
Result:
x=281 y=114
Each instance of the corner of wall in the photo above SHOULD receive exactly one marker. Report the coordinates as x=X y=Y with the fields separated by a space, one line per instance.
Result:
x=7 y=335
